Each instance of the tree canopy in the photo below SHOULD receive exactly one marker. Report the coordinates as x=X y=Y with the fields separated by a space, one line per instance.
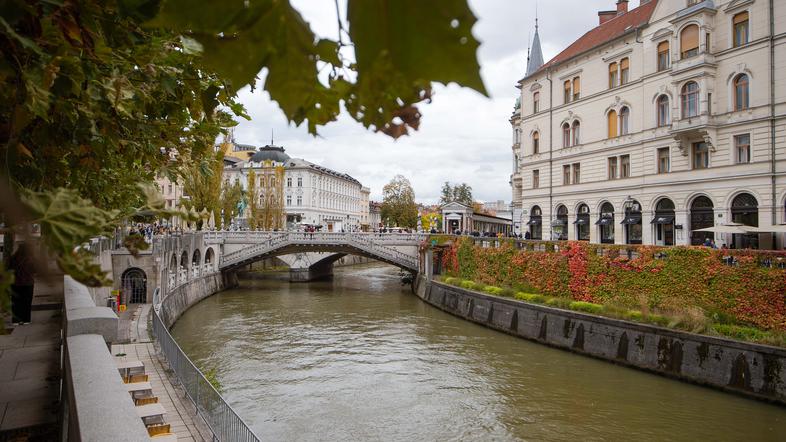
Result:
x=460 y=193
x=99 y=96
x=398 y=203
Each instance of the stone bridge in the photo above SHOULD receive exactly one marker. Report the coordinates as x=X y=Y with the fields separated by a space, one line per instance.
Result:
x=238 y=249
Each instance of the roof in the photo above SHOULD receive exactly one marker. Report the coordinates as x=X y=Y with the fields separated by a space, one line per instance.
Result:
x=272 y=153
x=612 y=29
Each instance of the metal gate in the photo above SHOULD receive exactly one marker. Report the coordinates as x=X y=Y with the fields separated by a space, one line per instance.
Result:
x=134 y=286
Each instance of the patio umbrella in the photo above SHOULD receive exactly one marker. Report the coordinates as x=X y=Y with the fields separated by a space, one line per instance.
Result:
x=729 y=228
x=780 y=228
x=212 y=221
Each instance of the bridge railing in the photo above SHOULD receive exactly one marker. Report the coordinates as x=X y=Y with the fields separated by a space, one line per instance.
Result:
x=252 y=236
x=224 y=422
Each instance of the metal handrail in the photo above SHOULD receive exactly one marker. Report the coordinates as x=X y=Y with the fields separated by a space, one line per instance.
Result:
x=221 y=418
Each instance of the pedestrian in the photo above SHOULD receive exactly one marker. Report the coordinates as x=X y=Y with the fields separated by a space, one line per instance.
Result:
x=21 y=263
x=527 y=235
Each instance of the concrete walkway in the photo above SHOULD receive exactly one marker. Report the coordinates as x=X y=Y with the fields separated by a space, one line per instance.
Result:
x=30 y=369
x=180 y=411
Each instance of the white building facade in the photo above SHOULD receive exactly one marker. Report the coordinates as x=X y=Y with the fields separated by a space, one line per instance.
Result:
x=312 y=194
x=662 y=120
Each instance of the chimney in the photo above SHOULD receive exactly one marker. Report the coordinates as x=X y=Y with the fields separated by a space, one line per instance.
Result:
x=604 y=16
x=622 y=7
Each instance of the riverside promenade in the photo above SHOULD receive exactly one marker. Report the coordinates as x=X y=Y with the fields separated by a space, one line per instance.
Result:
x=180 y=410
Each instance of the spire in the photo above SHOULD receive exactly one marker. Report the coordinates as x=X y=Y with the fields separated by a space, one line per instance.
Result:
x=535 y=56
x=271 y=137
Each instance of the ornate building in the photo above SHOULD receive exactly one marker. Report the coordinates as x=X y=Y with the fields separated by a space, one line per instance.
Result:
x=306 y=193
x=660 y=121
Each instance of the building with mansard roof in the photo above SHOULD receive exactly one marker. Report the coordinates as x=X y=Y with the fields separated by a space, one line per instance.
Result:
x=302 y=193
x=660 y=121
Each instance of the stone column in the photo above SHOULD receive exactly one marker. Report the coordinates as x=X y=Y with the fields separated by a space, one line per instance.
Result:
x=594 y=230
x=619 y=229
x=681 y=236
x=647 y=229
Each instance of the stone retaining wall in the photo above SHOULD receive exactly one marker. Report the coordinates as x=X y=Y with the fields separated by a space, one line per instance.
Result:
x=181 y=298
x=752 y=370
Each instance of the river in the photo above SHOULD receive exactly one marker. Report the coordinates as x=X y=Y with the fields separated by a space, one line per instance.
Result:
x=361 y=358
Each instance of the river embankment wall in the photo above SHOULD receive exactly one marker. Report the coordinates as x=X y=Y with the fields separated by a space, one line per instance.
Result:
x=757 y=371
x=181 y=298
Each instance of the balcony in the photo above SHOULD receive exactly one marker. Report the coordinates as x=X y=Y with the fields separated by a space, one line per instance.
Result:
x=689 y=130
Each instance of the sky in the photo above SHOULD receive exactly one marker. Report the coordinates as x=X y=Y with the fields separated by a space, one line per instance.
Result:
x=464 y=136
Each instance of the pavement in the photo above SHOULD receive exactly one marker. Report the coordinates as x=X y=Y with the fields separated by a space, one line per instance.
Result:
x=180 y=411
x=30 y=369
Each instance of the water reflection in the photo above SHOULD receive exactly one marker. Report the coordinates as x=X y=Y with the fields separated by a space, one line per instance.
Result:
x=361 y=358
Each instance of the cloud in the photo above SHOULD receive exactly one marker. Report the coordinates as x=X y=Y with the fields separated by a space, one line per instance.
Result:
x=464 y=137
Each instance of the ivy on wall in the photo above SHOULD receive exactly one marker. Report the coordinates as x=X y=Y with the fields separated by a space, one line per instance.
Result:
x=673 y=279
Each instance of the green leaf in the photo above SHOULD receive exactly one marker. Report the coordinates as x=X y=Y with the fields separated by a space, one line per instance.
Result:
x=424 y=41
x=199 y=15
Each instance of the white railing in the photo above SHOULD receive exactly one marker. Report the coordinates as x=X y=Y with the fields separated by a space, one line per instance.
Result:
x=372 y=243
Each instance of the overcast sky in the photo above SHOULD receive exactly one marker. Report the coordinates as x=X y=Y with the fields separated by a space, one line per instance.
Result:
x=463 y=137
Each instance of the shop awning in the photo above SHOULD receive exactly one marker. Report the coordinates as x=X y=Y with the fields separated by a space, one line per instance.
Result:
x=534 y=221
x=581 y=221
x=662 y=219
x=634 y=218
x=559 y=222
x=604 y=221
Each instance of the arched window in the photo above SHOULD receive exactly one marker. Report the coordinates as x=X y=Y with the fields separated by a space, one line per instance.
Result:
x=741 y=29
x=690 y=99
x=576 y=133
x=536 y=143
x=612 y=123
x=535 y=223
x=535 y=102
x=624 y=70
x=567 y=93
x=560 y=225
x=566 y=135
x=663 y=110
x=741 y=100
x=606 y=223
x=133 y=286
x=663 y=55
x=745 y=210
x=582 y=223
x=624 y=121
x=702 y=216
x=576 y=88
x=689 y=41
x=612 y=75
x=664 y=222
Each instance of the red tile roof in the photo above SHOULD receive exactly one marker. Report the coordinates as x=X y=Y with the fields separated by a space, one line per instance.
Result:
x=606 y=32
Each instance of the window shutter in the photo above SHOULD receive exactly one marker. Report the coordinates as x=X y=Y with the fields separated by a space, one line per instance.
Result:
x=689 y=38
x=576 y=86
x=612 y=117
x=741 y=17
x=663 y=47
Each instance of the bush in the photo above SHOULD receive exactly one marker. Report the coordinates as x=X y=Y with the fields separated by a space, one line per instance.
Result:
x=507 y=293
x=491 y=290
x=467 y=284
x=558 y=302
x=588 y=307
x=478 y=286
x=529 y=297
x=452 y=281
x=633 y=315
x=740 y=332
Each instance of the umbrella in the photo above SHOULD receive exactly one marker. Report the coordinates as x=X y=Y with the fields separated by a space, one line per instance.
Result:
x=729 y=228
x=203 y=214
x=212 y=222
x=780 y=228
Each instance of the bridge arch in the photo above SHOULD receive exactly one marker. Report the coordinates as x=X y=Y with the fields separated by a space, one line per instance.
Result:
x=184 y=260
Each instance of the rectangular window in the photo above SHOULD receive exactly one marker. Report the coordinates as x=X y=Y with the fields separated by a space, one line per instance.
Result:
x=742 y=147
x=576 y=173
x=624 y=71
x=612 y=168
x=625 y=166
x=535 y=179
x=664 y=160
x=300 y=182
x=289 y=182
x=567 y=94
x=663 y=55
x=741 y=33
x=701 y=156
x=289 y=200
x=612 y=75
x=566 y=175
x=299 y=200
x=576 y=88
x=689 y=41
x=535 y=102
x=707 y=42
